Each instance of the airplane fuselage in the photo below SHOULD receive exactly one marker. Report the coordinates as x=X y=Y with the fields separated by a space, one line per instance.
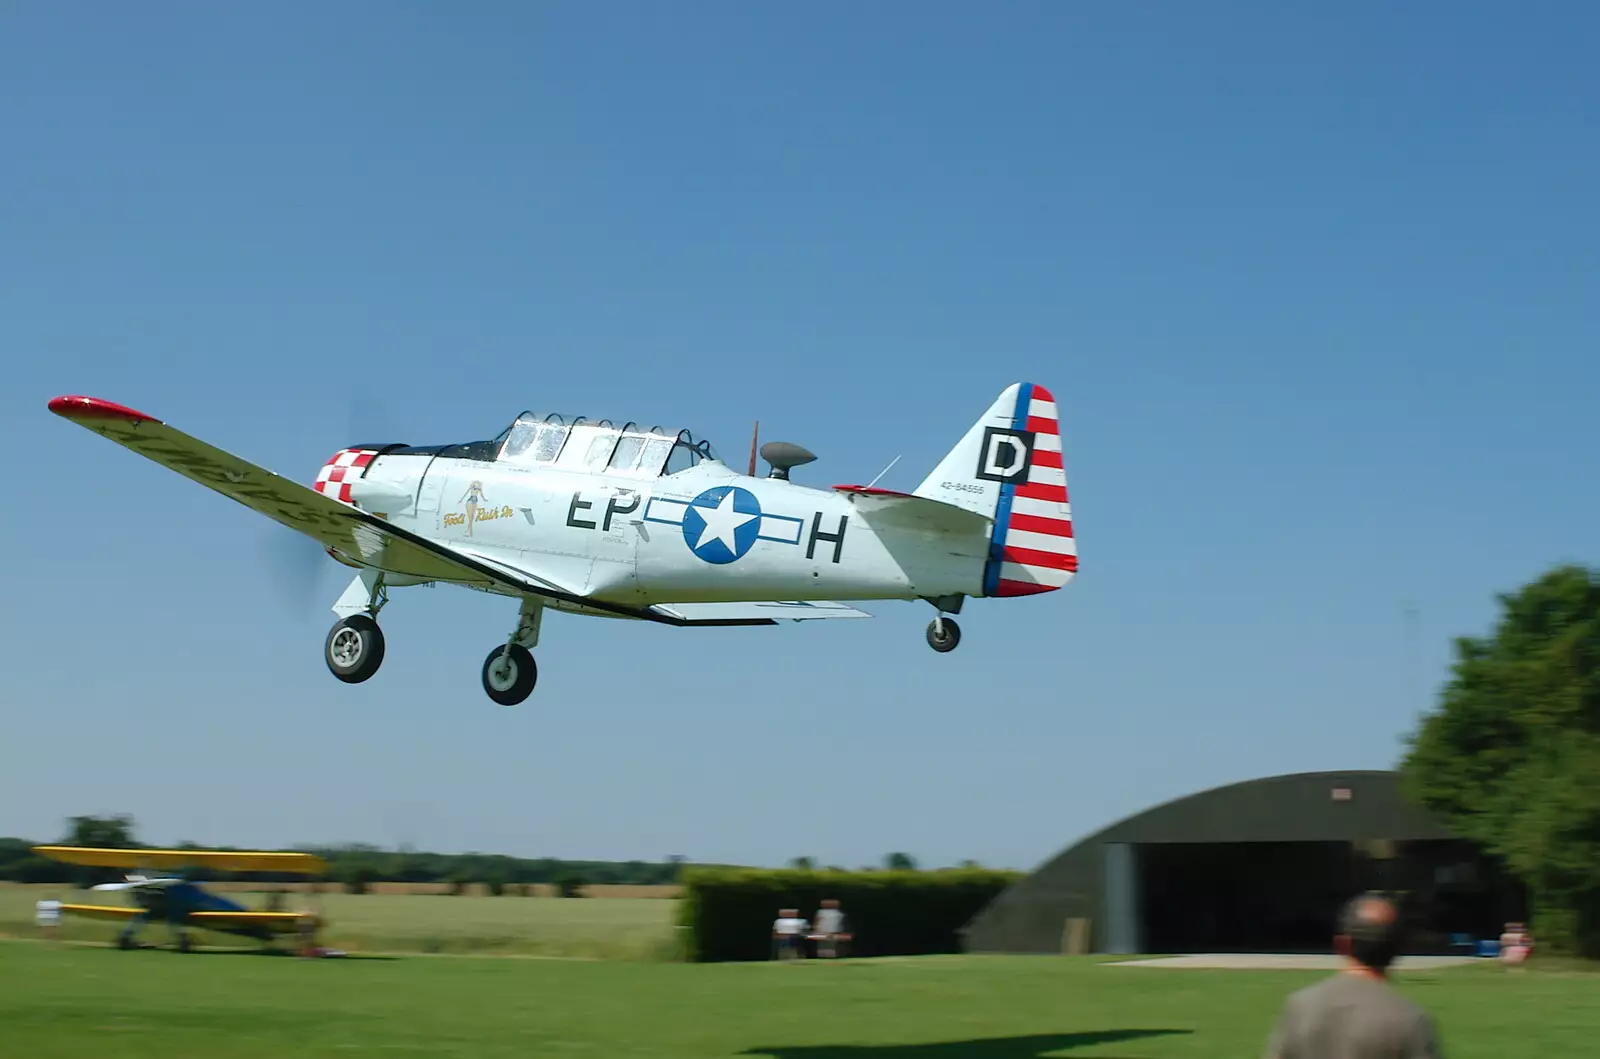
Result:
x=705 y=533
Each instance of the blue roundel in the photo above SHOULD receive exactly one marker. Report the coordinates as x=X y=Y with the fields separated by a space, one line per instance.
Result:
x=722 y=523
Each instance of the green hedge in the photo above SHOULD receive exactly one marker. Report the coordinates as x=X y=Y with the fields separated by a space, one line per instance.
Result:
x=728 y=913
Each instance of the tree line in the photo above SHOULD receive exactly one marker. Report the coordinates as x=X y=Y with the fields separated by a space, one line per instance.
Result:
x=355 y=866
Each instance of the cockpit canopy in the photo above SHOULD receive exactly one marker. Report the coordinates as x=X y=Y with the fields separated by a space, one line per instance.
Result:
x=599 y=446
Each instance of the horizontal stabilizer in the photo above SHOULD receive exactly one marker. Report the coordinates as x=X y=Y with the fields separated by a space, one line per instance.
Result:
x=756 y=613
x=885 y=507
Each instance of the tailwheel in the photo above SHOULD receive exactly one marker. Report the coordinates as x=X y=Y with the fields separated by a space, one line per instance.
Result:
x=354 y=648
x=943 y=634
x=509 y=674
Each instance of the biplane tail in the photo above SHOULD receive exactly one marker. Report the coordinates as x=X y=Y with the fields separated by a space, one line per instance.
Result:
x=1009 y=469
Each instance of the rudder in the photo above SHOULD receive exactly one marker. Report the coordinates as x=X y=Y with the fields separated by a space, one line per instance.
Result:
x=1009 y=468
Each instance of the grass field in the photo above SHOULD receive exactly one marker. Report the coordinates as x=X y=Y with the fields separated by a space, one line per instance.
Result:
x=84 y=1001
x=617 y=928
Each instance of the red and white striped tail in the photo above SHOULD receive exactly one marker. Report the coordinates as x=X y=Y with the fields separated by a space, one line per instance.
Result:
x=1009 y=469
x=342 y=468
x=1033 y=546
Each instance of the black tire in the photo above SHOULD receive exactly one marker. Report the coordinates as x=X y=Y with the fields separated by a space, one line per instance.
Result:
x=511 y=688
x=950 y=637
x=354 y=649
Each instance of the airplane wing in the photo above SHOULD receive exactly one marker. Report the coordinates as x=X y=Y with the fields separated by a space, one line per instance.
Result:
x=278 y=922
x=100 y=911
x=763 y=613
x=222 y=860
x=350 y=530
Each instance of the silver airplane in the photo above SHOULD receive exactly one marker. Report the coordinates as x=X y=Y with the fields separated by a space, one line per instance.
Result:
x=588 y=517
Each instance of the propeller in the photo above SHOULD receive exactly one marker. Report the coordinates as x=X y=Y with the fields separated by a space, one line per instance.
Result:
x=304 y=578
x=755 y=436
x=300 y=571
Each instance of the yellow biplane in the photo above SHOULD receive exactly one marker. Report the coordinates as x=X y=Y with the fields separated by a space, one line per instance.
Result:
x=181 y=903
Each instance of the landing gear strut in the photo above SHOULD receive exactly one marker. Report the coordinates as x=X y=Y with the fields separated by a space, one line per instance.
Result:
x=354 y=648
x=509 y=673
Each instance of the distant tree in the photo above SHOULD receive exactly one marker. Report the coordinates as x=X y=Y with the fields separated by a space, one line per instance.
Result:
x=803 y=864
x=900 y=862
x=570 y=884
x=100 y=832
x=1510 y=757
x=358 y=878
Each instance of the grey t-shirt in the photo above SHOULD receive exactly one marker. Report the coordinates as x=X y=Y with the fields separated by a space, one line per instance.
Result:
x=1351 y=1017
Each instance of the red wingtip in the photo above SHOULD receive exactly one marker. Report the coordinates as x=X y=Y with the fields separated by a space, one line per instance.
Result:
x=76 y=407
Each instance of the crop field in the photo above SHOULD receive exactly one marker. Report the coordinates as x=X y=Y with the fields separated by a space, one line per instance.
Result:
x=78 y=1001
x=619 y=928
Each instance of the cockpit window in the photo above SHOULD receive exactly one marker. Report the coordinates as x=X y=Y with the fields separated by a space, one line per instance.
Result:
x=534 y=440
x=580 y=445
x=625 y=459
x=588 y=447
x=682 y=458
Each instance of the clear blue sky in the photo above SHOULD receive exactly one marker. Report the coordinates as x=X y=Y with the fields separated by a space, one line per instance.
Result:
x=1316 y=292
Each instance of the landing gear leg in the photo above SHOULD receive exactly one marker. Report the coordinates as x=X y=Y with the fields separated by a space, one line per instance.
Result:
x=943 y=632
x=509 y=673
x=354 y=648
x=125 y=936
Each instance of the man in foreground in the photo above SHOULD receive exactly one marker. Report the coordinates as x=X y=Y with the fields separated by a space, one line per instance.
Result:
x=1357 y=1013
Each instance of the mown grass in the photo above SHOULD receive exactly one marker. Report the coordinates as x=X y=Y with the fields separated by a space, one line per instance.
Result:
x=81 y=1001
x=617 y=928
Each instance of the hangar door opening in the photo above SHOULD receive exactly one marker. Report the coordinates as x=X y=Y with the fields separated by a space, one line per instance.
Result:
x=1244 y=896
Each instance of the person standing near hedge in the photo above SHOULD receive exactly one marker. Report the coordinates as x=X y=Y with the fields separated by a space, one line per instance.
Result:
x=788 y=934
x=830 y=934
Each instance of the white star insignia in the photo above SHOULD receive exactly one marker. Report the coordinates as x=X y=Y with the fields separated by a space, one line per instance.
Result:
x=721 y=522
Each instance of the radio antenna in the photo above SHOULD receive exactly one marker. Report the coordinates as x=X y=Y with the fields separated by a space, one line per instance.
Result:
x=883 y=472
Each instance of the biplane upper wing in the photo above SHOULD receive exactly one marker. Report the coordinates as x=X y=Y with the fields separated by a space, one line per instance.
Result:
x=221 y=860
x=359 y=534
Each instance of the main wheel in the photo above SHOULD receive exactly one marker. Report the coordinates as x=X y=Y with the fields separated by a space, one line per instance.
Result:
x=509 y=678
x=943 y=634
x=354 y=649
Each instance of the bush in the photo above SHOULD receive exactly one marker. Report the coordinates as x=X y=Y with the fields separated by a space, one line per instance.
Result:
x=728 y=913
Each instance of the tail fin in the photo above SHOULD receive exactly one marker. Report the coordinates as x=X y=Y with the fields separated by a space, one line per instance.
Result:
x=1009 y=468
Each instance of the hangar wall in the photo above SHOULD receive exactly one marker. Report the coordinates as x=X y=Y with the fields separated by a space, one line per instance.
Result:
x=1173 y=872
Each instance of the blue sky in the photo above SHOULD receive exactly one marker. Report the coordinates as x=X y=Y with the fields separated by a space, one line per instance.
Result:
x=1314 y=290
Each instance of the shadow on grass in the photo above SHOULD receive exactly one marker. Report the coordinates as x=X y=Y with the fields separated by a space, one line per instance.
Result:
x=1033 y=1046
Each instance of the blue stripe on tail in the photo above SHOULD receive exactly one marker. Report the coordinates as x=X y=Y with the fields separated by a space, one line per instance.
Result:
x=1002 y=509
